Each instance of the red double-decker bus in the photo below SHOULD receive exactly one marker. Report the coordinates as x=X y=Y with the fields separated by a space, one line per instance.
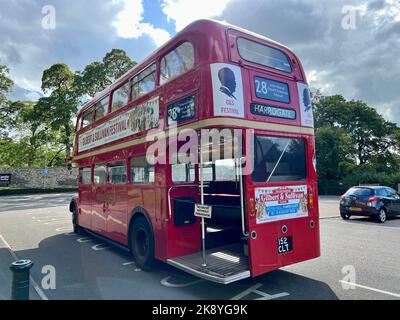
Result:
x=202 y=156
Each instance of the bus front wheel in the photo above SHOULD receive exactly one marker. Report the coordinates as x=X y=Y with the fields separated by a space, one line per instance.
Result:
x=76 y=227
x=142 y=244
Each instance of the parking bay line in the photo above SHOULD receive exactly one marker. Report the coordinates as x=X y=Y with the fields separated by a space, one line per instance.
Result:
x=369 y=288
x=38 y=290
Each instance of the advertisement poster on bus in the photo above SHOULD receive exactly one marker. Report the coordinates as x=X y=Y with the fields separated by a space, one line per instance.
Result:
x=306 y=110
x=227 y=90
x=280 y=203
x=141 y=118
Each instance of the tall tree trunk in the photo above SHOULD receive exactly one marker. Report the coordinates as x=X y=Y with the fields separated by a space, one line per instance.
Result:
x=67 y=141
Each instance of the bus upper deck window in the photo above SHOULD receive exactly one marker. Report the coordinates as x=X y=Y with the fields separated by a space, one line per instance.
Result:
x=144 y=82
x=177 y=62
x=120 y=97
x=87 y=119
x=101 y=108
x=262 y=54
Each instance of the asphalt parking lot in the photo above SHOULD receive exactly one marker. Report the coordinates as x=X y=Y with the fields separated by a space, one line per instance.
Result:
x=38 y=227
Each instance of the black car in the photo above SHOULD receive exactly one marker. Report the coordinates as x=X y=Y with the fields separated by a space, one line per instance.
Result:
x=378 y=202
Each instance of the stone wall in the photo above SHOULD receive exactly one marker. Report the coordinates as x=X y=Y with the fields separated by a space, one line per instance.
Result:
x=42 y=178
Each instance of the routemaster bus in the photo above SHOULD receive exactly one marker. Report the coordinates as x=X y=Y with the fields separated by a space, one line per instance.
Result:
x=202 y=156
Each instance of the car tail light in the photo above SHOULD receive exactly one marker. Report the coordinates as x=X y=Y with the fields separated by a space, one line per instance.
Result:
x=371 y=202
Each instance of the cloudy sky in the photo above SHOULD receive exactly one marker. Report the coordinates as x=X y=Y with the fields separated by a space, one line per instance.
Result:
x=346 y=46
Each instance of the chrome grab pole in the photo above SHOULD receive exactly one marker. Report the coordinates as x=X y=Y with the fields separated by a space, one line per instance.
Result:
x=241 y=160
x=203 y=228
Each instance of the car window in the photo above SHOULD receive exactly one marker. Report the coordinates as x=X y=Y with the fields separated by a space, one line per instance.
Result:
x=381 y=192
x=359 y=192
x=391 y=193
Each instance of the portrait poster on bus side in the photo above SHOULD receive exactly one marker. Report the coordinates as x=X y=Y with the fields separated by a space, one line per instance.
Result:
x=227 y=90
x=280 y=203
x=306 y=110
x=141 y=118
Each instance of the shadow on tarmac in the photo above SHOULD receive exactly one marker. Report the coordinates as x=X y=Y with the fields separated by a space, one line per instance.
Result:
x=84 y=273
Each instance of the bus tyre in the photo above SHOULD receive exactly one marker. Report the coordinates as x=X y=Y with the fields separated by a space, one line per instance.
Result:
x=142 y=244
x=345 y=216
x=77 y=228
x=381 y=217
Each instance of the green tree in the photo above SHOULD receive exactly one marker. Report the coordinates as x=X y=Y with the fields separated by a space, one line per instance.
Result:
x=334 y=152
x=98 y=75
x=61 y=105
x=369 y=133
x=6 y=111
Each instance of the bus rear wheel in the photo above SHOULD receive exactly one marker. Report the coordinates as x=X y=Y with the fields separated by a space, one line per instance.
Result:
x=142 y=244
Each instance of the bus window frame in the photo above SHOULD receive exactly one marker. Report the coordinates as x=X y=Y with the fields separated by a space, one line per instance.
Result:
x=175 y=46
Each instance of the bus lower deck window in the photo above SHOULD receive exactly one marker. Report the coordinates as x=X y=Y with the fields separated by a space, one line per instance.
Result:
x=117 y=173
x=100 y=174
x=85 y=175
x=141 y=171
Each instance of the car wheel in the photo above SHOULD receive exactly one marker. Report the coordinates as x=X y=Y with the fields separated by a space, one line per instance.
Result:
x=345 y=216
x=381 y=215
x=142 y=244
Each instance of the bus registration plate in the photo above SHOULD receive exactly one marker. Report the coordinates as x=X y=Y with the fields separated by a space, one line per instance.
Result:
x=285 y=244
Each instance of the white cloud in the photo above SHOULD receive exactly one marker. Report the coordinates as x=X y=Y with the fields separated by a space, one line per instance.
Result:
x=186 y=11
x=129 y=23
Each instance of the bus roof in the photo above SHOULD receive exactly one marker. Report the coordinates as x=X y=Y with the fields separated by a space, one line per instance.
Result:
x=202 y=24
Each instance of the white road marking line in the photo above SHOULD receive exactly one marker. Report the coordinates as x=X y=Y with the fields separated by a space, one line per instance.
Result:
x=128 y=263
x=84 y=239
x=48 y=217
x=38 y=290
x=58 y=222
x=63 y=229
x=369 y=288
x=165 y=282
x=52 y=220
x=101 y=246
x=254 y=289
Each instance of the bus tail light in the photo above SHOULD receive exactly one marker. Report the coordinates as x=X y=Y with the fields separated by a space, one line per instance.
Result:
x=252 y=207
x=310 y=200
